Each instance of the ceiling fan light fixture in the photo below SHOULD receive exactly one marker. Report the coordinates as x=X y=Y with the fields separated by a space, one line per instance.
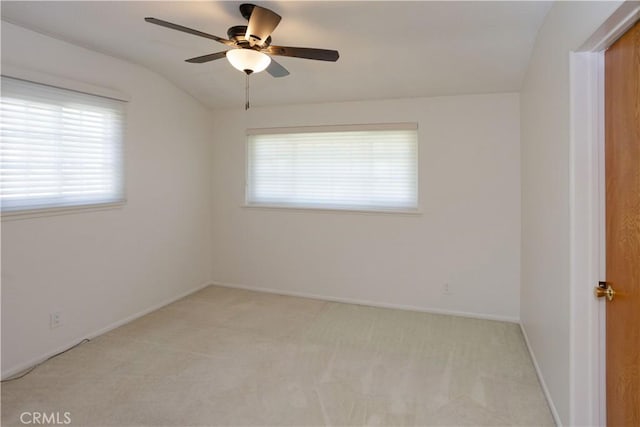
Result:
x=248 y=60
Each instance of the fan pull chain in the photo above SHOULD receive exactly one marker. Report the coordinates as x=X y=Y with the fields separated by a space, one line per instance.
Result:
x=246 y=93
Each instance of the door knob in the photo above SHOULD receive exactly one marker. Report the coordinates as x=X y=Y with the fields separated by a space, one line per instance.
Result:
x=601 y=291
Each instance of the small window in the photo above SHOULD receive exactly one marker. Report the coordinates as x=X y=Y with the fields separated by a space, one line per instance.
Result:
x=59 y=148
x=342 y=167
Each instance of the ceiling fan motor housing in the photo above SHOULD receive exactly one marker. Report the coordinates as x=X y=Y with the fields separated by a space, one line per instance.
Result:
x=236 y=34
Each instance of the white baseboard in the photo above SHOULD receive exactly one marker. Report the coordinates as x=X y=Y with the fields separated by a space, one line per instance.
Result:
x=26 y=365
x=370 y=303
x=543 y=384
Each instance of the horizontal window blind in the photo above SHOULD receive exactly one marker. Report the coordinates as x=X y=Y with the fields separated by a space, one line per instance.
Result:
x=58 y=147
x=355 y=169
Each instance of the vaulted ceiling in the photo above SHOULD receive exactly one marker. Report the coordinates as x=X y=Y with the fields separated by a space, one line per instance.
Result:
x=387 y=49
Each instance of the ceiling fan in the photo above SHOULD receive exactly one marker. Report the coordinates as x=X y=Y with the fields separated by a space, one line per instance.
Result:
x=251 y=47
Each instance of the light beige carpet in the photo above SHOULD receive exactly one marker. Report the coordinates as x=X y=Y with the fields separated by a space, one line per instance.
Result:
x=233 y=357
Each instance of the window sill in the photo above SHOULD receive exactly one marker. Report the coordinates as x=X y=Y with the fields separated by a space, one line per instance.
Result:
x=371 y=211
x=67 y=210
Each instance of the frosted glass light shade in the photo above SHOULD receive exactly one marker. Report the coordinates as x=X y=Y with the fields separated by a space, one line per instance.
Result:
x=248 y=59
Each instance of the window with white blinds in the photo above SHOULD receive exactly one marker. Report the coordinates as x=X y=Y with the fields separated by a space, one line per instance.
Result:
x=58 y=147
x=347 y=167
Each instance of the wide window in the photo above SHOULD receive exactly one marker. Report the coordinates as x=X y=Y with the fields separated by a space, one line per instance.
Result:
x=343 y=167
x=58 y=147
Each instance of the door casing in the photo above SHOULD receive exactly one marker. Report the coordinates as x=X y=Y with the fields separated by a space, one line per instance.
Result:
x=587 y=214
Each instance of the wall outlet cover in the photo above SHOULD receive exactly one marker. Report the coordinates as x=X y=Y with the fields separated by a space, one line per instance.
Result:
x=55 y=319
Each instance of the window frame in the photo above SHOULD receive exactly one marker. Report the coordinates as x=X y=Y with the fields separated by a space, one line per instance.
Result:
x=328 y=129
x=58 y=82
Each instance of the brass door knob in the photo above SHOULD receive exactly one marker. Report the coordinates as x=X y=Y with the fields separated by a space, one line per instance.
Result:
x=605 y=292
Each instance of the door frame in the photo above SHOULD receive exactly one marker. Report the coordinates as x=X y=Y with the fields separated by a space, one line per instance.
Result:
x=587 y=355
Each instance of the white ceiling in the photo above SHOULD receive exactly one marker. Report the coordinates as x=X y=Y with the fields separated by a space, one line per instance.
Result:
x=387 y=49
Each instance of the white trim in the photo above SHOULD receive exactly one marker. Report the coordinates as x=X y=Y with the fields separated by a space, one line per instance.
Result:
x=599 y=254
x=61 y=82
x=63 y=210
x=334 y=128
x=584 y=206
x=543 y=384
x=358 y=301
x=372 y=211
x=615 y=26
x=26 y=365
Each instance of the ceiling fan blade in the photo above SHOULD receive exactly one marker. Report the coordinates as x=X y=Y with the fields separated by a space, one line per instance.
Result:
x=261 y=24
x=277 y=70
x=188 y=30
x=206 y=58
x=304 y=52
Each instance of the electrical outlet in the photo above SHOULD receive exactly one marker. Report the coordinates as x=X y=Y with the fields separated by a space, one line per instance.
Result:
x=55 y=320
x=446 y=289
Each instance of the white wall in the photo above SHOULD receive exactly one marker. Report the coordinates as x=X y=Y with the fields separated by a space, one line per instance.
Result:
x=545 y=110
x=98 y=268
x=468 y=234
